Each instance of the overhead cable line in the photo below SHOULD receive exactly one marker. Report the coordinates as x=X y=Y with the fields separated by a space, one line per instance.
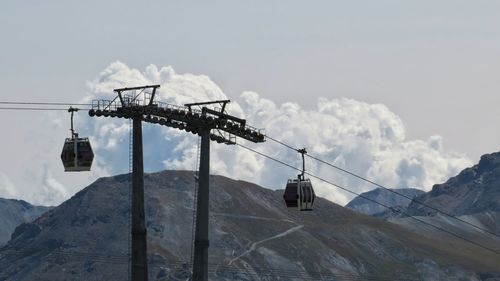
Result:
x=44 y=103
x=35 y=108
x=60 y=255
x=214 y=268
x=386 y=188
x=372 y=200
x=312 y=157
x=40 y=106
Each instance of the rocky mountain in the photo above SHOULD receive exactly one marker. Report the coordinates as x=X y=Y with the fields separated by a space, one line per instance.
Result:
x=252 y=237
x=475 y=190
x=472 y=196
x=383 y=196
x=15 y=212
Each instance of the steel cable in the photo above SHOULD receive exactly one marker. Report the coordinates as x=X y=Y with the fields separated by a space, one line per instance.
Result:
x=373 y=201
x=386 y=188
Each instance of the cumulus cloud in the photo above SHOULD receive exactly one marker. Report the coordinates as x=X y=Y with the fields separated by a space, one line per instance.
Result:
x=7 y=188
x=162 y=146
x=367 y=139
x=50 y=190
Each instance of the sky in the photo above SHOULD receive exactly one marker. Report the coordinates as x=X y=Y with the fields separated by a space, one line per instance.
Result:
x=403 y=92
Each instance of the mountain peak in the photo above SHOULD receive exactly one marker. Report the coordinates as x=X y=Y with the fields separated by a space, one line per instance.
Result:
x=489 y=162
x=14 y=212
x=383 y=196
x=473 y=190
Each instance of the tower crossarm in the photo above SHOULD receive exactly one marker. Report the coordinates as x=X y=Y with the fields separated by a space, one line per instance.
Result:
x=224 y=127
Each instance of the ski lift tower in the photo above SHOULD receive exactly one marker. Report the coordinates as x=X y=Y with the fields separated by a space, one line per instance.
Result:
x=138 y=104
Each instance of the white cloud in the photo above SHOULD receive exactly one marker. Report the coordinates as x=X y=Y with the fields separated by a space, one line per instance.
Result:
x=367 y=139
x=7 y=188
x=162 y=146
x=50 y=190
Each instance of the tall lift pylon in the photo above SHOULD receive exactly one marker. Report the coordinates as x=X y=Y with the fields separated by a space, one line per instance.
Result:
x=209 y=124
x=139 y=255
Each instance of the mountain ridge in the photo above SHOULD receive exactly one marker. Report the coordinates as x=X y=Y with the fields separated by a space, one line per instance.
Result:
x=474 y=190
x=14 y=212
x=382 y=196
x=331 y=241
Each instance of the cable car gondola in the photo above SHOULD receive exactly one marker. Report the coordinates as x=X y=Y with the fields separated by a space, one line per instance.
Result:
x=299 y=192
x=77 y=153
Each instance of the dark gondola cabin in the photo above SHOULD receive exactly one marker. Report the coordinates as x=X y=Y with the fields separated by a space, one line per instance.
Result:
x=299 y=192
x=77 y=153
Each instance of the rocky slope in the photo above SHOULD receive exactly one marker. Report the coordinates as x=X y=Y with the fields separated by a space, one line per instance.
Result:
x=475 y=190
x=385 y=197
x=15 y=212
x=253 y=237
x=472 y=196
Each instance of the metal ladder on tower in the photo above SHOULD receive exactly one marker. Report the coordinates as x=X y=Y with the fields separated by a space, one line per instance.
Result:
x=130 y=168
x=195 y=198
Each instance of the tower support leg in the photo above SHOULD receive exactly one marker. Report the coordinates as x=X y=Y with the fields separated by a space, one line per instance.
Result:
x=201 y=242
x=139 y=258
